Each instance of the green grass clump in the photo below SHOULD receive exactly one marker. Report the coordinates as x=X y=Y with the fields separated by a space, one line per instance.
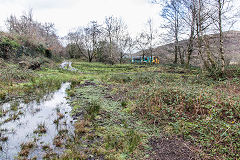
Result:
x=120 y=78
x=41 y=129
x=93 y=109
x=25 y=149
x=14 y=106
x=3 y=95
x=123 y=140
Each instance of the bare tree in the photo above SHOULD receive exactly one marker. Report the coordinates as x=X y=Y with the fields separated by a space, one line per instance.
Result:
x=142 y=43
x=115 y=30
x=91 y=39
x=222 y=18
x=173 y=24
x=35 y=32
x=75 y=43
x=151 y=34
x=210 y=16
x=189 y=15
x=86 y=39
x=110 y=28
x=220 y=4
x=131 y=46
x=125 y=46
x=202 y=24
x=22 y=26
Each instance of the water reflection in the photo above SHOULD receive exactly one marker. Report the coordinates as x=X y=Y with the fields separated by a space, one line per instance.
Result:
x=19 y=124
x=67 y=65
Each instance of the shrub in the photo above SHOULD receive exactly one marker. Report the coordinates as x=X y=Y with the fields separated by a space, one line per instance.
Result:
x=8 y=47
x=17 y=46
x=14 y=74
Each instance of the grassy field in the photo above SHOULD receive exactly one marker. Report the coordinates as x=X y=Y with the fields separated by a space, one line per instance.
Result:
x=139 y=111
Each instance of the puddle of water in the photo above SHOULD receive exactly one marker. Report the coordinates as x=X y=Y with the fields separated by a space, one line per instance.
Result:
x=19 y=124
x=68 y=66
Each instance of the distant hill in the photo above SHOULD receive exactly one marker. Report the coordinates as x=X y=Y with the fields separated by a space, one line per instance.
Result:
x=231 y=48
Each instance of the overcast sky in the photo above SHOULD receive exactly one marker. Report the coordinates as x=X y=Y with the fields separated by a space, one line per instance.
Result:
x=69 y=14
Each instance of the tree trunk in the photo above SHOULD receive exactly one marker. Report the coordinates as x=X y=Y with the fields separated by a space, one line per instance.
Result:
x=151 y=54
x=89 y=56
x=191 y=39
x=221 y=52
x=200 y=36
x=181 y=55
x=176 y=38
x=176 y=55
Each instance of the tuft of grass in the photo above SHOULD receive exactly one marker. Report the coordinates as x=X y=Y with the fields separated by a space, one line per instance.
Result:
x=58 y=141
x=133 y=140
x=123 y=104
x=1 y=112
x=80 y=127
x=93 y=109
x=73 y=154
x=41 y=129
x=14 y=106
x=50 y=155
x=3 y=95
x=122 y=140
x=3 y=139
x=25 y=149
x=60 y=115
x=45 y=147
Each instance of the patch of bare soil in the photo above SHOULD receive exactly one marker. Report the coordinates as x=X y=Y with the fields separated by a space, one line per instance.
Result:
x=170 y=149
x=88 y=83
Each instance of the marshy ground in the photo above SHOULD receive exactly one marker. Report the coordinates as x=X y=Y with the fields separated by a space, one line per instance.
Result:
x=120 y=112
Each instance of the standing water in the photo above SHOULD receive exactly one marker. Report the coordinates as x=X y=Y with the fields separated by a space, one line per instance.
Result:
x=35 y=122
x=67 y=66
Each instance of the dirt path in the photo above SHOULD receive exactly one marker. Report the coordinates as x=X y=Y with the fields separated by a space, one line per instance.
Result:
x=170 y=149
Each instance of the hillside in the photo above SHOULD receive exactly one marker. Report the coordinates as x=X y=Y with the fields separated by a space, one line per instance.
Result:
x=231 y=48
